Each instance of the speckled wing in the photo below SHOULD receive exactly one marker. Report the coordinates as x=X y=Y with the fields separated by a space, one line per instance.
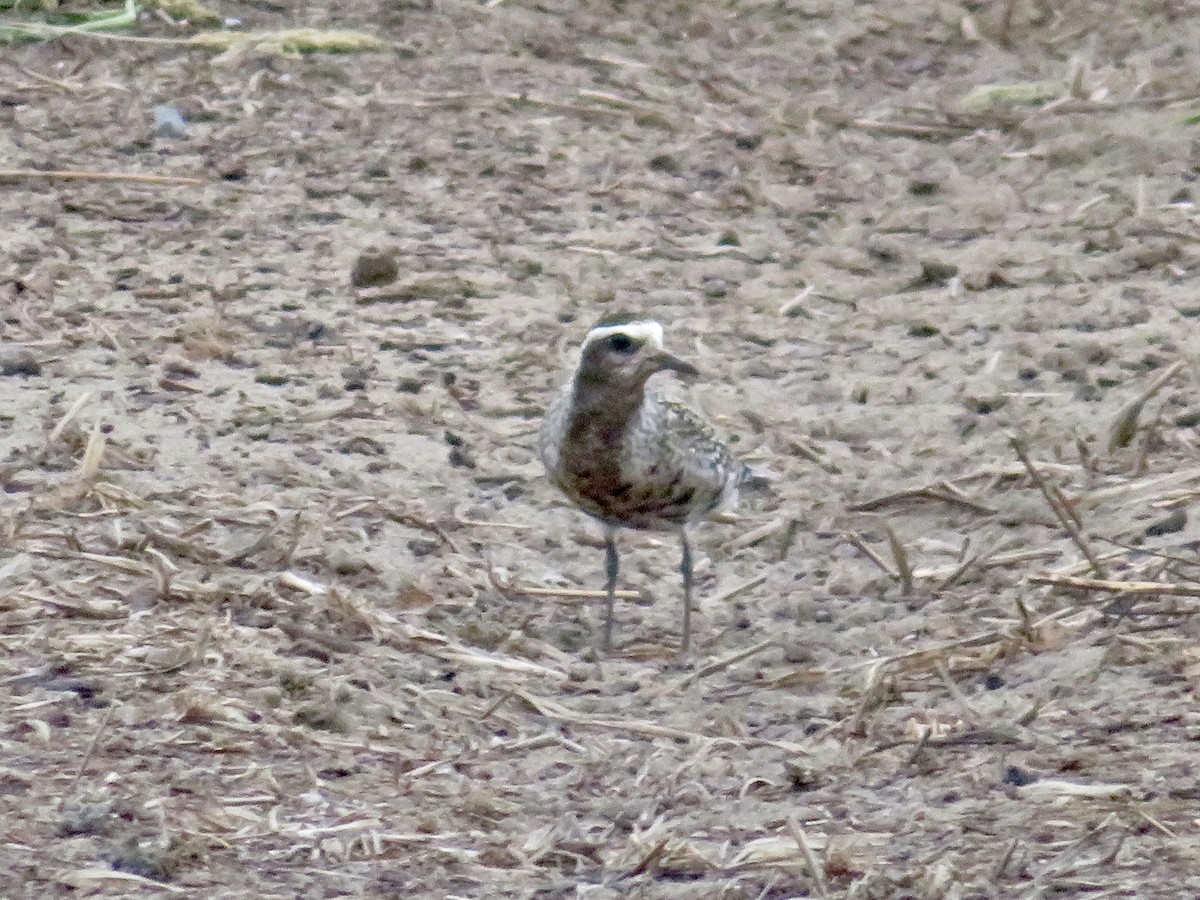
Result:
x=553 y=427
x=701 y=464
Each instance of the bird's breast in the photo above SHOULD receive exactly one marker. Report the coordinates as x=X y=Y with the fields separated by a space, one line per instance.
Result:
x=633 y=467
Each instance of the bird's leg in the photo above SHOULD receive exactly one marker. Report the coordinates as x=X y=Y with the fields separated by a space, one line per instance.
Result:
x=685 y=566
x=612 y=567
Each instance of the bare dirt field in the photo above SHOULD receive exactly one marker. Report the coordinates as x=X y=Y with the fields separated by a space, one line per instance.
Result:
x=286 y=602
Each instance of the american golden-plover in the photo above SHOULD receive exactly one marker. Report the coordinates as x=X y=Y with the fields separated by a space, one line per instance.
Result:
x=630 y=457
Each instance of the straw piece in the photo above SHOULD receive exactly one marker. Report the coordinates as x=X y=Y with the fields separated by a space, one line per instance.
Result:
x=1130 y=588
x=87 y=175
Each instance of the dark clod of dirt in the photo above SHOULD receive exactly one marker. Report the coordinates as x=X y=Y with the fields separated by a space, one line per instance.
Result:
x=924 y=331
x=801 y=777
x=324 y=715
x=355 y=377
x=89 y=818
x=1176 y=521
x=460 y=458
x=19 y=361
x=150 y=860
x=374 y=268
x=1018 y=777
x=233 y=169
x=664 y=162
x=934 y=272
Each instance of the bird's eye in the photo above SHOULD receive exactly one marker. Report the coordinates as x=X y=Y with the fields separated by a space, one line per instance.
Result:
x=622 y=343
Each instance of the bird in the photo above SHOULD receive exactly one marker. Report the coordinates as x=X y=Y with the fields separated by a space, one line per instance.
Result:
x=632 y=458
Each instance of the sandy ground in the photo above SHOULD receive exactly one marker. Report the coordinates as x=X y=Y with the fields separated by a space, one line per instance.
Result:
x=271 y=543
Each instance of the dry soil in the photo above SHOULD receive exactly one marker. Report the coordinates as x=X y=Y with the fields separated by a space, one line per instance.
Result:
x=285 y=600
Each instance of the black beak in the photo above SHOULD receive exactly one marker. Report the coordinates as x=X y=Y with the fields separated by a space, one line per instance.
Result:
x=663 y=361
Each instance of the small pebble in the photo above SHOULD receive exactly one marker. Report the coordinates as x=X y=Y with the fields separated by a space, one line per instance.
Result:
x=168 y=122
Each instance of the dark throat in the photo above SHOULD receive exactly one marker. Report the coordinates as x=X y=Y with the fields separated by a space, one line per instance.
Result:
x=600 y=419
x=600 y=409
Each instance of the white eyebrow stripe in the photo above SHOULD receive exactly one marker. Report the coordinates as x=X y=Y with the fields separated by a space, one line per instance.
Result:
x=644 y=330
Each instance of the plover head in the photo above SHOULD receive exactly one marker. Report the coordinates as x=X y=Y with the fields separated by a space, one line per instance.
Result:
x=622 y=351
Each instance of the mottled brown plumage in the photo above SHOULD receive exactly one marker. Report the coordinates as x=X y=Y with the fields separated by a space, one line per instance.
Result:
x=627 y=455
